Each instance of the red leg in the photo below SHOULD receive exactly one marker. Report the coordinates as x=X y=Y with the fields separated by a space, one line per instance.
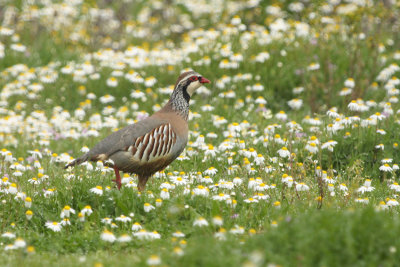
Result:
x=118 y=178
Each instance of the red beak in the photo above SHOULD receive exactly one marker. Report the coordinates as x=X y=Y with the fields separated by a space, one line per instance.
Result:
x=204 y=80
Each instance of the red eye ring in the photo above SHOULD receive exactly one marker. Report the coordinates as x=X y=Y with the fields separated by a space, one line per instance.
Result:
x=193 y=78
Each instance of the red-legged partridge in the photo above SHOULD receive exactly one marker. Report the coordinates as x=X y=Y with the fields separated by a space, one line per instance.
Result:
x=150 y=145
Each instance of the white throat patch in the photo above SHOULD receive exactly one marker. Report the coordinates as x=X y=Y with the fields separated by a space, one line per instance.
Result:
x=192 y=87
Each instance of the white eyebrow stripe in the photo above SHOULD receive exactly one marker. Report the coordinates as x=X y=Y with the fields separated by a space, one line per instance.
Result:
x=187 y=77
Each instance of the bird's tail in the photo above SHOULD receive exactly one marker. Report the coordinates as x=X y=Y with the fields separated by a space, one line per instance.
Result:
x=77 y=161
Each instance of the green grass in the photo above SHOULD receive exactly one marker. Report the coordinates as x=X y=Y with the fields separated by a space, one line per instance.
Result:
x=313 y=238
x=292 y=227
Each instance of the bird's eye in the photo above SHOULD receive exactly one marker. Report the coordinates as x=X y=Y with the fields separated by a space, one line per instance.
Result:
x=193 y=78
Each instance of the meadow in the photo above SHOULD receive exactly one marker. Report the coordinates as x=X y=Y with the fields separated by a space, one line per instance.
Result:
x=293 y=148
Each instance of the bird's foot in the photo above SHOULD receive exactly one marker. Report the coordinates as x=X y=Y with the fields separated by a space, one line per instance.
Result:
x=118 y=183
x=118 y=178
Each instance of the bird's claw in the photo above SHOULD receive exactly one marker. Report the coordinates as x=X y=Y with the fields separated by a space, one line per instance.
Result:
x=118 y=182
